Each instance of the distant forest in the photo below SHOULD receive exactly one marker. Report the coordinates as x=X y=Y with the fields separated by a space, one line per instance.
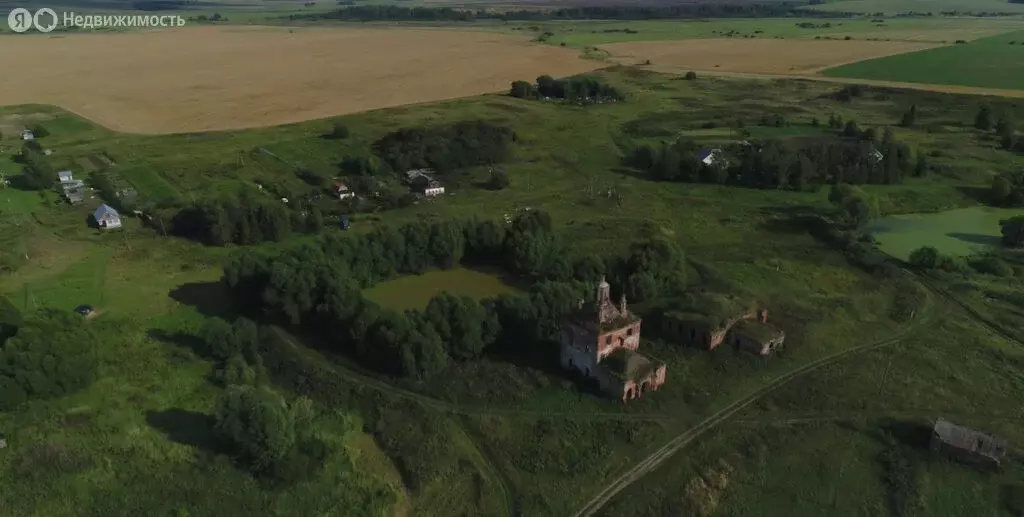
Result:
x=716 y=10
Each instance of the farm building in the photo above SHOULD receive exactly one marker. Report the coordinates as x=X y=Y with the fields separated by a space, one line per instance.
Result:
x=65 y=176
x=74 y=191
x=343 y=191
x=707 y=320
x=433 y=188
x=28 y=135
x=106 y=217
x=423 y=182
x=711 y=157
x=600 y=340
x=967 y=445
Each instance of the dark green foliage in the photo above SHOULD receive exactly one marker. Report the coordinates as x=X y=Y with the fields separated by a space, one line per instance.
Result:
x=52 y=354
x=10 y=319
x=445 y=148
x=925 y=257
x=419 y=441
x=575 y=89
x=793 y=164
x=311 y=178
x=363 y=166
x=271 y=436
x=850 y=130
x=853 y=211
x=522 y=90
x=40 y=131
x=499 y=180
x=690 y=76
x=462 y=324
x=339 y=131
x=992 y=265
x=901 y=479
x=983 y=120
x=241 y=219
x=1013 y=231
x=1007 y=190
x=910 y=117
x=38 y=174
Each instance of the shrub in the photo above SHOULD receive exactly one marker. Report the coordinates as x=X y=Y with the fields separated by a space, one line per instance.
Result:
x=691 y=76
x=990 y=265
x=339 y=131
x=925 y=257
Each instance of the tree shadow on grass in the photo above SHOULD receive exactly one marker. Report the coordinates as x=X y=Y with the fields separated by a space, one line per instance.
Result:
x=185 y=427
x=208 y=298
x=977 y=194
x=975 y=238
x=181 y=339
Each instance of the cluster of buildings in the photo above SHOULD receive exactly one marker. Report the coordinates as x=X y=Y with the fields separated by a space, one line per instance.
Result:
x=599 y=339
x=73 y=190
x=422 y=181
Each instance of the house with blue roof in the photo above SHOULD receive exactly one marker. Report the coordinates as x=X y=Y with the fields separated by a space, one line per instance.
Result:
x=106 y=217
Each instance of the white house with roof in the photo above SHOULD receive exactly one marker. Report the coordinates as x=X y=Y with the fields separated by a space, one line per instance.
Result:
x=28 y=135
x=433 y=188
x=65 y=176
x=711 y=157
x=106 y=217
x=343 y=191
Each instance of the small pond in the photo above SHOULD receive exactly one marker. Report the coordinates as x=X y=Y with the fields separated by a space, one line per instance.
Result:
x=959 y=232
x=415 y=291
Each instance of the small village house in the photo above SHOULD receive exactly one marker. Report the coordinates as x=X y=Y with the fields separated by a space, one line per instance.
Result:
x=433 y=188
x=967 y=445
x=711 y=157
x=65 y=176
x=107 y=218
x=422 y=181
x=28 y=135
x=74 y=191
x=343 y=191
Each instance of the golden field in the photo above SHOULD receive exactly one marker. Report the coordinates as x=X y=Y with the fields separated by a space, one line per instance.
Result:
x=218 y=78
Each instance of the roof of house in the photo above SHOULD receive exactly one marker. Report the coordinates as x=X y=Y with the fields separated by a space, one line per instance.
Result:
x=705 y=153
x=416 y=173
x=760 y=332
x=969 y=439
x=434 y=184
x=103 y=211
x=716 y=308
x=65 y=174
x=628 y=365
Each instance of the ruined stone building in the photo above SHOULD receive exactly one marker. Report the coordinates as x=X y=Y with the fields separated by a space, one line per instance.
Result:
x=707 y=320
x=599 y=340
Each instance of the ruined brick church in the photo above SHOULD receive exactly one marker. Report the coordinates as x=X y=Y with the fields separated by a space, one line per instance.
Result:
x=600 y=340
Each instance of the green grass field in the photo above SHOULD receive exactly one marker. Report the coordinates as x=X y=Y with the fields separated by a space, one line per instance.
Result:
x=590 y=32
x=521 y=439
x=415 y=291
x=961 y=232
x=989 y=63
x=920 y=6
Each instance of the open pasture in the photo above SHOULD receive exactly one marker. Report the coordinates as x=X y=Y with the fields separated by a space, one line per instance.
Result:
x=937 y=30
x=217 y=78
x=415 y=291
x=921 y=6
x=753 y=55
x=996 y=62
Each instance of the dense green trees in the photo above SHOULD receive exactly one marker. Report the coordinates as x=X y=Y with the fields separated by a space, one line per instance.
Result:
x=318 y=286
x=444 y=148
x=52 y=353
x=572 y=89
x=37 y=174
x=1007 y=189
x=1013 y=231
x=793 y=164
x=243 y=218
x=983 y=120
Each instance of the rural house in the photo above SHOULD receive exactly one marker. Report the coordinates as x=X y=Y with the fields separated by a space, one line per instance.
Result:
x=423 y=182
x=343 y=191
x=107 y=218
x=28 y=135
x=74 y=191
x=65 y=176
x=706 y=320
x=967 y=445
x=600 y=340
x=711 y=157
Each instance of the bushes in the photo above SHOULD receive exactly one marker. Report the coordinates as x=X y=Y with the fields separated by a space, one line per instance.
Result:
x=53 y=353
x=571 y=89
x=242 y=219
x=690 y=76
x=445 y=148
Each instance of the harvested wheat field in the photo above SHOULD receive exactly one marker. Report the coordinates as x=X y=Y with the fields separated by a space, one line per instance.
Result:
x=757 y=56
x=216 y=78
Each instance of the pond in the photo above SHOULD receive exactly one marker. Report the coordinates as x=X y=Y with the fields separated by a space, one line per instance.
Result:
x=415 y=291
x=960 y=232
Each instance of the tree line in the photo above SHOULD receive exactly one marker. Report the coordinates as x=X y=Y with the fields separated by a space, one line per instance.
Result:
x=319 y=286
x=444 y=148
x=702 y=10
x=793 y=164
x=246 y=217
x=572 y=89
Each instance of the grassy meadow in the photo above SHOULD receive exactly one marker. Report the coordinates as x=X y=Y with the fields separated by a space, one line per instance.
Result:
x=961 y=232
x=920 y=6
x=517 y=439
x=993 y=62
x=592 y=32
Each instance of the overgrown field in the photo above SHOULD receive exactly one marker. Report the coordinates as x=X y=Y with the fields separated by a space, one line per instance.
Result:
x=500 y=436
x=994 y=62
